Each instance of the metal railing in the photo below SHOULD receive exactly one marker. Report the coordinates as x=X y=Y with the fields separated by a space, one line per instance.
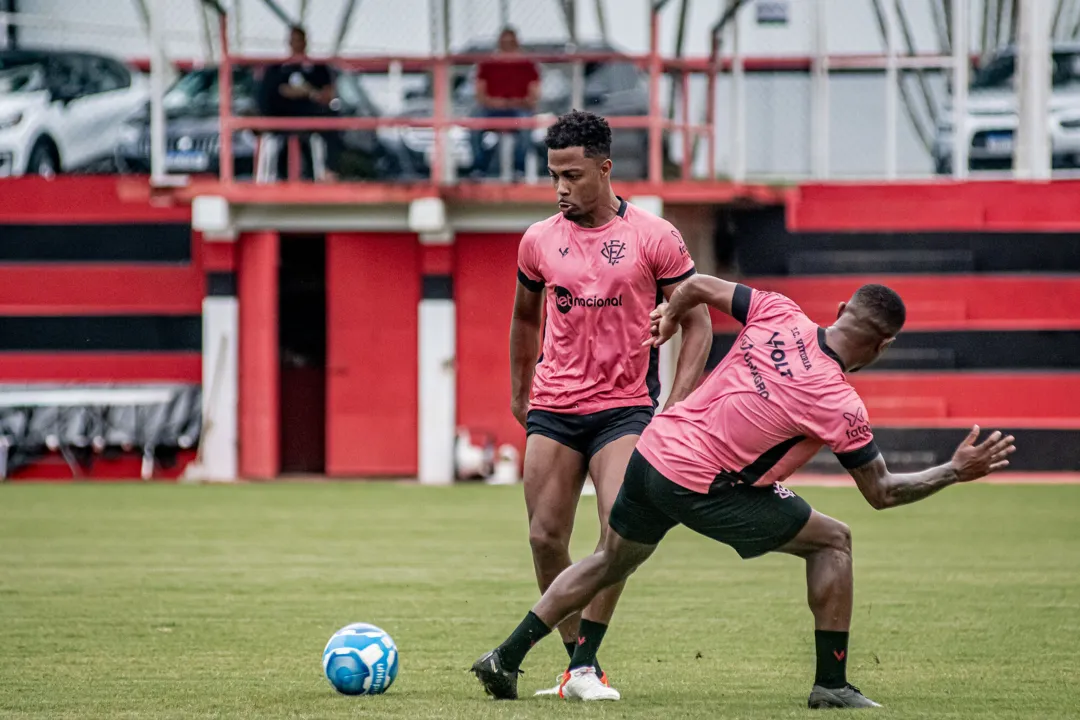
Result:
x=441 y=120
x=731 y=63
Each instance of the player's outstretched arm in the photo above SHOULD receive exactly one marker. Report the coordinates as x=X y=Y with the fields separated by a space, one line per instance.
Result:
x=524 y=348
x=883 y=489
x=692 y=292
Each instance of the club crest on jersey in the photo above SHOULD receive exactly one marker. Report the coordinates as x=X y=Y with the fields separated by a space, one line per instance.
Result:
x=613 y=251
x=565 y=301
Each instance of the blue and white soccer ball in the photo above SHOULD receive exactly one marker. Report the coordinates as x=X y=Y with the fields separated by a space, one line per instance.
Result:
x=360 y=659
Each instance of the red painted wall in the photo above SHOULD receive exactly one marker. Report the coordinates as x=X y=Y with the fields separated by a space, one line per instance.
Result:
x=68 y=199
x=257 y=291
x=92 y=288
x=484 y=286
x=957 y=302
x=942 y=397
x=372 y=293
x=937 y=205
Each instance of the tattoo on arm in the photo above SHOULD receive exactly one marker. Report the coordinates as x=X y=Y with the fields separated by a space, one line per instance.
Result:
x=883 y=489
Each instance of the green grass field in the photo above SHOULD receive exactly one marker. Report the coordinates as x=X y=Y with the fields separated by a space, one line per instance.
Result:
x=156 y=601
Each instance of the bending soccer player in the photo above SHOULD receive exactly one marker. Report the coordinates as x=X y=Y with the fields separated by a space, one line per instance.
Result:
x=714 y=461
x=605 y=264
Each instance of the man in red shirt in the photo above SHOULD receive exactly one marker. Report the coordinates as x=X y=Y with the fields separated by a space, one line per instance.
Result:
x=505 y=88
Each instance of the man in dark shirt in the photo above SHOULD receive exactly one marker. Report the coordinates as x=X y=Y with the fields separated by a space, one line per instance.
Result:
x=300 y=88
x=505 y=89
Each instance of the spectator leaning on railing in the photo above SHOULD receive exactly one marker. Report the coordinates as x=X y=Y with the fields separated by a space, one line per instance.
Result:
x=300 y=88
x=505 y=89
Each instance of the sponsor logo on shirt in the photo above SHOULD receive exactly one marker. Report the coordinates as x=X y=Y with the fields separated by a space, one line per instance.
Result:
x=565 y=301
x=779 y=355
x=857 y=426
x=755 y=375
x=613 y=251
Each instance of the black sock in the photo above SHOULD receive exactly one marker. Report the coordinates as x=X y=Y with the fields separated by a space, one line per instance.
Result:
x=590 y=635
x=571 y=648
x=831 y=658
x=514 y=649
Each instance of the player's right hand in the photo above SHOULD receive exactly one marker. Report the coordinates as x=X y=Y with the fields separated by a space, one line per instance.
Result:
x=520 y=409
x=662 y=325
x=971 y=461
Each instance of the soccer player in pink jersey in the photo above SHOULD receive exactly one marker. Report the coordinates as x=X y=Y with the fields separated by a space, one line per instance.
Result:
x=714 y=463
x=606 y=264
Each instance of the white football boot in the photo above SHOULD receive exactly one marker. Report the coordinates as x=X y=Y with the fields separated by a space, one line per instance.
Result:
x=583 y=684
x=554 y=690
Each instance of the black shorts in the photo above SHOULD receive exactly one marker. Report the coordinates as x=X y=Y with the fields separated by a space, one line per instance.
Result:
x=752 y=520
x=588 y=434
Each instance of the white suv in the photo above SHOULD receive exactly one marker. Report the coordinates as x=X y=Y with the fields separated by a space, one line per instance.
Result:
x=62 y=110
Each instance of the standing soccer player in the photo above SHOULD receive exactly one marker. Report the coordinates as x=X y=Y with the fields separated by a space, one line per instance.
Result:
x=713 y=463
x=606 y=264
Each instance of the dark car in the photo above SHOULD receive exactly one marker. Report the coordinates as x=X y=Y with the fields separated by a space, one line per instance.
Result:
x=610 y=89
x=193 y=138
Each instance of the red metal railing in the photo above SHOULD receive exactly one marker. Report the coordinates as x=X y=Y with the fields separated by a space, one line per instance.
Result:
x=654 y=123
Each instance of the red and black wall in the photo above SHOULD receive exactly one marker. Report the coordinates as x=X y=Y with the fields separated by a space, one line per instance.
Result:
x=993 y=331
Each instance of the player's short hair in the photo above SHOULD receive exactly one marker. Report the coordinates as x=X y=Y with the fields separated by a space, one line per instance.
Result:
x=582 y=129
x=882 y=307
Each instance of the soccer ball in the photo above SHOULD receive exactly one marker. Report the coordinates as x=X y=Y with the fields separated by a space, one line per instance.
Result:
x=360 y=659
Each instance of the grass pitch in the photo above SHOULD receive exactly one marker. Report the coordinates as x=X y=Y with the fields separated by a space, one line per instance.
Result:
x=136 y=601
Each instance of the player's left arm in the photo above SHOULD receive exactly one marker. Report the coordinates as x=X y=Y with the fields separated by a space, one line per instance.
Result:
x=697 y=339
x=673 y=267
x=883 y=489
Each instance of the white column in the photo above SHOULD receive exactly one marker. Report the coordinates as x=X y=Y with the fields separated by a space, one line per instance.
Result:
x=220 y=372
x=438 y=391
x=1032 y=152
x=218 y=457
x=158 y=70
x=961 y=30
x=892 y=91
x=437 y=345
x=819 y=95
x=738 y=106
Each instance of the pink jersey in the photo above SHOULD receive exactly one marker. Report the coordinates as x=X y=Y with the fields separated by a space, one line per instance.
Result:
x=777 y=397
x=602 y=284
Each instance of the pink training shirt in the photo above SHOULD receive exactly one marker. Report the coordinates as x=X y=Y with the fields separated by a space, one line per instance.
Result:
x=602 y=284
x=777 y=397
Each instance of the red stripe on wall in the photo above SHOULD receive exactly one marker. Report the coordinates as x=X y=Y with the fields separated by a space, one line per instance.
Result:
x=95 y=289
x=69 y=199
x=372 y=293
x=936 y=205
x=913 y=396
x=259 y=368
x=958 y=302
x=16 y=367
x=484 y=286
